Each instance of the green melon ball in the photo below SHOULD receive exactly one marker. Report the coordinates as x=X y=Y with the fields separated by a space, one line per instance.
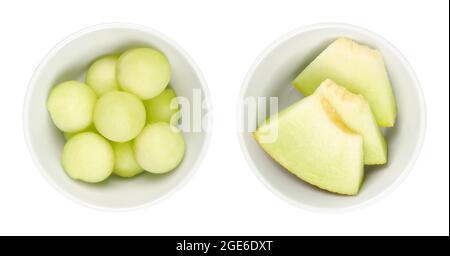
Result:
x=159 y=148
x=71 y=105
x=144 y=72
x=88 y=157
x=91 y=128
x=101 y=75
x=125 y=164
x=119 y=116
x=163 y=108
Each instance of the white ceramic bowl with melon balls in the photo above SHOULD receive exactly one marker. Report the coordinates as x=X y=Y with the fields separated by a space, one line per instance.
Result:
x=272 y=75
x=69 y=60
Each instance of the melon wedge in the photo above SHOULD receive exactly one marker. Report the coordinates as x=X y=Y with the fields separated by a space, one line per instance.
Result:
x=358 y=68
x=315 y=145
x=355 y=112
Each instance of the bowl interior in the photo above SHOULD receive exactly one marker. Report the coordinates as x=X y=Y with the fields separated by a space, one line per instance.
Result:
x=69 y=61
x=271 y=77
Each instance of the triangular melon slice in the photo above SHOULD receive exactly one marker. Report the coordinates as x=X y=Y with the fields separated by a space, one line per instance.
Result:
x=355 y=112
x=313 y=143
x=358 y=68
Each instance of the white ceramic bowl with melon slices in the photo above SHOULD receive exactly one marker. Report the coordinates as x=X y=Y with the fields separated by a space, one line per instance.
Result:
x=69 y=60
x=272 y=75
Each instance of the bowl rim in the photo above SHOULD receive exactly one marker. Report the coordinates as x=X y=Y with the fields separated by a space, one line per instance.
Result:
x=91 y=29
x=416 y=85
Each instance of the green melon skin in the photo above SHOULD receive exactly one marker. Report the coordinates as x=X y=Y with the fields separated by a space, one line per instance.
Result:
x=159 y=148
x=163 y=108
x=355 y=112
x=88 y=157
x=71 y=105
x=360 y=70
x=125 y=164
x=144 y=72
x=101 y=75
x=119 y=116
x=314 y=144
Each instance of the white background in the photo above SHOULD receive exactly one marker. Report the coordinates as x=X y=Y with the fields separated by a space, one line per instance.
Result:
x=224 y=197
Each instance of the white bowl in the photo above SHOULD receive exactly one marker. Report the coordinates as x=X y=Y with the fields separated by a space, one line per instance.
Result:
x=271 y=75
x=68 y=60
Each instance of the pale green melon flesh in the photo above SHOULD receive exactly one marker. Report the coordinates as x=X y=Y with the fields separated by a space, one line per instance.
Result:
x=71 y=105
x=88 y=157
x=358 y=68
x=313 y=144
x=144 y=72
x=355 y=112
x=159 y=148
x=91 y=128
x=125 y=164
x=163 y=108
x=119 y=116
x=101 y=75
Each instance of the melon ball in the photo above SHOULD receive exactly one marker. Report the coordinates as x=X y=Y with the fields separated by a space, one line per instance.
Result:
x=119 y=116
x=125 y=164
x=163 y=108
x=144 y=72
x=159 y=148
x=90 y=128
x=71 y=105
x=101 y=75
x=88 y=157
